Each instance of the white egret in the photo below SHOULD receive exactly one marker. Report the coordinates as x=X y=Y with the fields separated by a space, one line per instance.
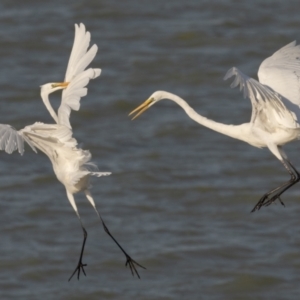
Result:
x=275 y=115
x=71 y=165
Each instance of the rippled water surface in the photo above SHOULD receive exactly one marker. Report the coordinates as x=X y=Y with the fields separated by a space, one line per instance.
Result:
x=180 y=195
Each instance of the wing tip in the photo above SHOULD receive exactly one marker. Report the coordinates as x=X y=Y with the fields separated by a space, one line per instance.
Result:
x=230 y=73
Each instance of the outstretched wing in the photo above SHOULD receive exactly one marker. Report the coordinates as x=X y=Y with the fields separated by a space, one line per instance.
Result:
x=12 y=140
x=40 y=134
x=268 y=108
x=281 y=72
x=77 y=75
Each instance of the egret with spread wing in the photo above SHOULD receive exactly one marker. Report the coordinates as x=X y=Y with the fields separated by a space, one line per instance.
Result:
x=71 y=165
x=275 y=115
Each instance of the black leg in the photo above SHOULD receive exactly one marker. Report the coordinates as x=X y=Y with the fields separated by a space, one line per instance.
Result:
x=270 y=197
x=129 y=261
x=80 y=265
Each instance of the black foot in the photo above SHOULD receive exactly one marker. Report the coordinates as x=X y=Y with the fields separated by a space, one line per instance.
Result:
x=269 y=202
x=264 y=201
x=80 y=267
x=131 y=263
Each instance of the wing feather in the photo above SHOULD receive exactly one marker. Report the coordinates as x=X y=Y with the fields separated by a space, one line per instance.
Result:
x=267 y=105
x=281 y=72
x=12 y=140
x=83 y=62
x=78 y=175
x=76 y=74
x=81 y=43
x=51 y=132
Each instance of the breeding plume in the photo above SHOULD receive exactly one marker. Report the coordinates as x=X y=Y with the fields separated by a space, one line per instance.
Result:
x=275 y=115
x=71 y=165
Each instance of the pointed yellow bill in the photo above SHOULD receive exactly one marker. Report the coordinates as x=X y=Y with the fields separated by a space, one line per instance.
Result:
x=63 y=85
x=139 y=110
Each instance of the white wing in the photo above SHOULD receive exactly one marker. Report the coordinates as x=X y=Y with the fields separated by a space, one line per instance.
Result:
x=76 y=74
x=12 y=140
x=281 y=72
x=268 y=108
x=40 y=133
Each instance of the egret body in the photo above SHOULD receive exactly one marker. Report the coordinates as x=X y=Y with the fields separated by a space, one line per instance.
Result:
x=275 y=119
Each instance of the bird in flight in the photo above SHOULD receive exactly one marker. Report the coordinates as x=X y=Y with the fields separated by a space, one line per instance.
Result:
x=71 y=165
x=275 y=118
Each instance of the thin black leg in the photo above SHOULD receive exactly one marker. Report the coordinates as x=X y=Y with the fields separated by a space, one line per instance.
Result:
x=80 y=265
x=129 y=261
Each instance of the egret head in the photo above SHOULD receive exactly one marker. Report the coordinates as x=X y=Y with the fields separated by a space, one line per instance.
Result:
x=155 y=97
x=49 y=88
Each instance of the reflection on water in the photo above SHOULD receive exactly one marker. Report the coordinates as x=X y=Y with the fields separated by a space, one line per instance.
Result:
x=180 y=196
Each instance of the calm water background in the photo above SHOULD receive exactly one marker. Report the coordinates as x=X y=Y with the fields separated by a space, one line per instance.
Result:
x=180 y=196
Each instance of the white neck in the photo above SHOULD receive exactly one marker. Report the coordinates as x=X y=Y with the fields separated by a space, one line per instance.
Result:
x=234 y=131
x=45 y=98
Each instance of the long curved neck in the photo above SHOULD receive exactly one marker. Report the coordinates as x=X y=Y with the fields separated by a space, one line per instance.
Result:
x=234 y=131
x=45 y=98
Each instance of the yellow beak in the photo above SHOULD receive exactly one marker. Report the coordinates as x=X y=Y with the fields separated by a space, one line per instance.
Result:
x=63 y=85
x=139 y=110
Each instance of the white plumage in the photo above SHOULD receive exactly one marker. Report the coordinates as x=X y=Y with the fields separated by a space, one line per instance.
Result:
x=275 y=118
x=71 y=165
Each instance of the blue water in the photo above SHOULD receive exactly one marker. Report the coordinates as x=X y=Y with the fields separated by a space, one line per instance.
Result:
x=180 y=196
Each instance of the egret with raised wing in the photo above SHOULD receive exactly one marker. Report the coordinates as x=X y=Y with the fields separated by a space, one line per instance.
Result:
x=71 y=165
x=275 y=115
